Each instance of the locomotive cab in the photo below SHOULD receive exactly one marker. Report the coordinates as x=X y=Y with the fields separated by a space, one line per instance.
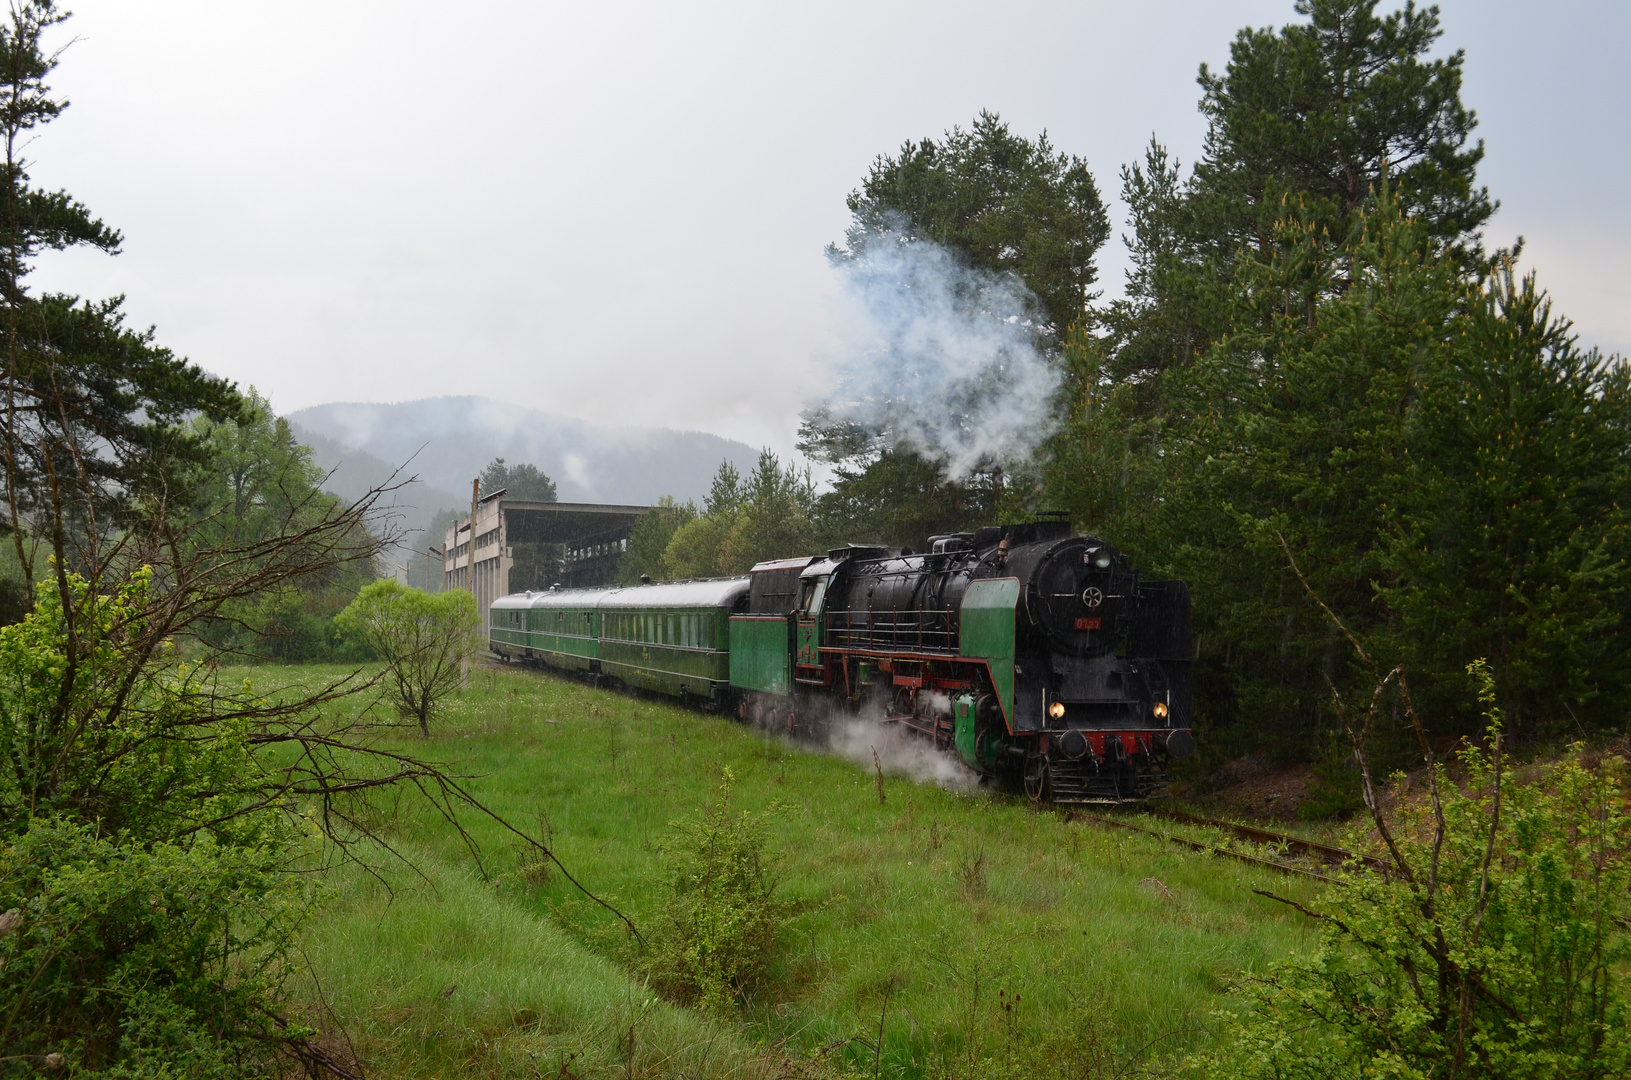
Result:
x=812 y=595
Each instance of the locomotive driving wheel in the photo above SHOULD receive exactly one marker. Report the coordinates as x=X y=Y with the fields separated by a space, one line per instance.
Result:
x=1037 y=781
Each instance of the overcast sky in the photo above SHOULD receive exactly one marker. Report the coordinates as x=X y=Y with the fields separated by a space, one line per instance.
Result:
x=617 y=211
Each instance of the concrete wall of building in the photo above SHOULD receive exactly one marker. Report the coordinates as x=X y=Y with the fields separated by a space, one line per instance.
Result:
x=593 y=536
x=492 y=563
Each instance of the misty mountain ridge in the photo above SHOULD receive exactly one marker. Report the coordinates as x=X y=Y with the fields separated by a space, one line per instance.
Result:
x=446 y=441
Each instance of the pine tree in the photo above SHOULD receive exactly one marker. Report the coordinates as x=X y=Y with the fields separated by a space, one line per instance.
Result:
x=1000 y=201
x=1308 y=119
x=1001 y=204
x=1447 y=465
x=94 y=434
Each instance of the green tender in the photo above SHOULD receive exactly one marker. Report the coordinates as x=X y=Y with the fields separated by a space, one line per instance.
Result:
x=761 y=654
x=986 y=632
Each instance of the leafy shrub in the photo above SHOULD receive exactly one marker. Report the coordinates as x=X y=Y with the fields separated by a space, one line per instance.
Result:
x=143 y=869
x=289 y=631
x=425 y=639
x=1495 y=948
x=90 y=732
x=161 y=960
x=312 y=639
x=155 y=826
x=723 y=914
x=1333 y=789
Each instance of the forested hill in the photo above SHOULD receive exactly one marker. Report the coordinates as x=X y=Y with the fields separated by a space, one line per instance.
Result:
x=450 y=439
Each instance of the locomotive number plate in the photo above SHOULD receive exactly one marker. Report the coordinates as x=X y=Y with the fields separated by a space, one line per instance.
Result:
x=1087 y=624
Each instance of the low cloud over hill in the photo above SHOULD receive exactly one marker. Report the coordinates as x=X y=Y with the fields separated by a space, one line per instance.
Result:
x=450 y=439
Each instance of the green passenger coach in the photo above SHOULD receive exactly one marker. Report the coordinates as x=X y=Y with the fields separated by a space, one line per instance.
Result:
x=674 y=639
x=557 y=628
x=671 y=638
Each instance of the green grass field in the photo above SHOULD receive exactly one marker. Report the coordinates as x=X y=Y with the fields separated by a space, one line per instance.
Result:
x=978 y=934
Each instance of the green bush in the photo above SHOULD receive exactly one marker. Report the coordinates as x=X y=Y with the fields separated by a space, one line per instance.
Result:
x=723 y=915
x=312 y=639
x=143 y=872
x=427 y=641
x=1495 y=948
x=287 y=626
x=163 y=960
x=91 y=732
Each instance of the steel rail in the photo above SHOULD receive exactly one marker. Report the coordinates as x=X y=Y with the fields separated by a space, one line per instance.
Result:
x=1327 y=852
x=1197 y=845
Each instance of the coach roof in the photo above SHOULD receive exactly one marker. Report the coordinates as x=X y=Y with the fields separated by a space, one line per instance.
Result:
x=714 y=593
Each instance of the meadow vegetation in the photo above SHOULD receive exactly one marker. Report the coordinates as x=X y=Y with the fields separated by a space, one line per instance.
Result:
x=970 y=931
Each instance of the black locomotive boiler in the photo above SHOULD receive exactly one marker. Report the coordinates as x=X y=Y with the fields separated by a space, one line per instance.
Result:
x=1029 y=651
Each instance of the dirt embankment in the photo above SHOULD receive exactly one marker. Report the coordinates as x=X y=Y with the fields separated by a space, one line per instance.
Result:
x=1252 y=787
x=1256 y=787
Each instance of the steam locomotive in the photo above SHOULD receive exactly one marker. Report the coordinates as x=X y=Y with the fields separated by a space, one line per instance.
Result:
x=1033 y=654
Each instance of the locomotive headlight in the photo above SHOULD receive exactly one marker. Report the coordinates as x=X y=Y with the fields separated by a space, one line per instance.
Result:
x=1101 y=559
x=1160 y=710
x=1057 y=710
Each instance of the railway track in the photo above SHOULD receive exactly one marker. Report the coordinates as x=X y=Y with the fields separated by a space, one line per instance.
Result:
x=1331 y=856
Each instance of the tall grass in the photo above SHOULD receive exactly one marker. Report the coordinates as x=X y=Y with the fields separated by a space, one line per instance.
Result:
x=441 y=977
x=966 y=929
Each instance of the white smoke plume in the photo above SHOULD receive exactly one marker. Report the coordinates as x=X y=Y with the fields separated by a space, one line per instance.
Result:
x=870 y=742
x=899 y=752
x=939 y=356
